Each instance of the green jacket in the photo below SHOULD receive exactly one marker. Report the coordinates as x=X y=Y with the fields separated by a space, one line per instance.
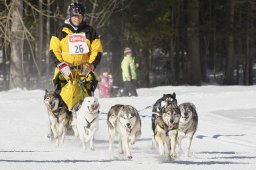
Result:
x=128 y=68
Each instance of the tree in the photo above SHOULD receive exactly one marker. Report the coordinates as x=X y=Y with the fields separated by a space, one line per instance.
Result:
x=193 y=43
x=17 y=37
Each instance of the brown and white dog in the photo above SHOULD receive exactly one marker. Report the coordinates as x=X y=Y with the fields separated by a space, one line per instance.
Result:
x=123 y=121
x=166 y=130
x=158 y=108
x=59 y=118
x=88 y=121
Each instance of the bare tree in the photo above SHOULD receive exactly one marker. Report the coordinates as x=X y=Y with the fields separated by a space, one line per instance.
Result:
x=17 y=36
x=101 y=10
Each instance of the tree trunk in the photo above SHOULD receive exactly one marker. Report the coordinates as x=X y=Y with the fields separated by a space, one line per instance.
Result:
x=47 y=60
x=16 y=71
x=193 y=42
x=40 y=56
x=228 y=80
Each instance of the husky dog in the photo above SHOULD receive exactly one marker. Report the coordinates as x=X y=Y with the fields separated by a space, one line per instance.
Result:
x=59 y=117
x=161 y=104
x=187 y=125
x=158 y=108
x=166 y=130
x=88 y=121
x=124 y=121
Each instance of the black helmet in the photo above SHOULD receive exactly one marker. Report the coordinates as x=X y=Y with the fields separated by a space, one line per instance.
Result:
x=75 y=8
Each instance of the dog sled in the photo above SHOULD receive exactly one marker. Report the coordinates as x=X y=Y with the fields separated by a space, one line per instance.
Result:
x=77 y=82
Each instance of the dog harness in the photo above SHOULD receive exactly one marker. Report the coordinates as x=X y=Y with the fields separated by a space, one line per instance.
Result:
x=90 y=123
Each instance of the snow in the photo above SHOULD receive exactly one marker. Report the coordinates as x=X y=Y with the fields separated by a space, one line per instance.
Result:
x=225 y=138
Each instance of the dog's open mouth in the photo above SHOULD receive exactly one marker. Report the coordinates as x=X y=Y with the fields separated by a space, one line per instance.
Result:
x=129 y=130
x=173 y=126
x=50 y=105
x=93 y=108
x=185 y=117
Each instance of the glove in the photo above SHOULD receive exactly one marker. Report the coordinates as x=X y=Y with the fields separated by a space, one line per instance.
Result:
x=64 y=69
x=87 y=68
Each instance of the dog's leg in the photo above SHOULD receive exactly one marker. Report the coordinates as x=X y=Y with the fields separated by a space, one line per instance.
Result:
x=126 y=147
x=92 y=139
x=63 y=129
x=173 y=138
x=62 y=137
x=168 y=143
x=121 y=151
x=49 y=134
x=154 y=144
x=74 y=124
x=190 y=137
x=82 y=133
x=132 y=141
x=160 y=144
x=91 y=143
x=179 y=141
x=53 y=127
x=111 y=138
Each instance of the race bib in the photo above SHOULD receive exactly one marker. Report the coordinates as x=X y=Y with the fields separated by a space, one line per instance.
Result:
x=77 y=44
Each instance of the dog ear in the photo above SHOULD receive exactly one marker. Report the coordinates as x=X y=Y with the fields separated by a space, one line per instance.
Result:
x=174 y=95
x=46 y=91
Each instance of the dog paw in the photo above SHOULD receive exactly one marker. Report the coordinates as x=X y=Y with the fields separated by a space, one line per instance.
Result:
x=129 y=157
x=92 y=148
x=132 y=142
x=172 y=156
x=187 y=154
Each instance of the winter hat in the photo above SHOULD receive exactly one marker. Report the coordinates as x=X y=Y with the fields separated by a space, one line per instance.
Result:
x=75 y=9
x=127 y=50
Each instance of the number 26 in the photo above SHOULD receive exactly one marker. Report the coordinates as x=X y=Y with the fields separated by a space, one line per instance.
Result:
x=79 y=49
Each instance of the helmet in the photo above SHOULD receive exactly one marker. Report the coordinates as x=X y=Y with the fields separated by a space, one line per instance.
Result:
x=75 y=8
x=127 y=50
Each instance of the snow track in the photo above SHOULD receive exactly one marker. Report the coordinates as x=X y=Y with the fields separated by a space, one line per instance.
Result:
x=225 y=138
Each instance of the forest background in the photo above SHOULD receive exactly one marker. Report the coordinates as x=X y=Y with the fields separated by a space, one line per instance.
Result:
x=175 y=42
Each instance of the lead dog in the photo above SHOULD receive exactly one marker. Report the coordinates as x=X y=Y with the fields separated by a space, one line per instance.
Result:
x=167 y=129
x=59 y=117
x=88 y=121
x=123 y=121
x=187 y=125
x=158 y=108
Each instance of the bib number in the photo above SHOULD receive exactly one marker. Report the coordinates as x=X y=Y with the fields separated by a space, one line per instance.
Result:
x=77 y=44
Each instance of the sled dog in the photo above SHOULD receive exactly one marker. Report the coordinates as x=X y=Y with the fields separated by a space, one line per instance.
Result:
x=123 y=121
x=88 y=121
x=59 y=117
x=158 y=108
x=187 y=125
x=166 y=130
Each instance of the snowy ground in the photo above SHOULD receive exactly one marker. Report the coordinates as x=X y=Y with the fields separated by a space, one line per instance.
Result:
x=225 y=138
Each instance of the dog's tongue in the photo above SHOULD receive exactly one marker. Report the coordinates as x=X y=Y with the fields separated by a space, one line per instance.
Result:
x=128 y=130
x=173 y=126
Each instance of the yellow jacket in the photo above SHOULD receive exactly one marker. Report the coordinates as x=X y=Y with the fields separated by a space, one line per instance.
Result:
x=59 y=45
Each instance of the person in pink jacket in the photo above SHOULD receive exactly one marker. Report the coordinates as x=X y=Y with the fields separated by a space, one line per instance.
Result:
x=105 y=85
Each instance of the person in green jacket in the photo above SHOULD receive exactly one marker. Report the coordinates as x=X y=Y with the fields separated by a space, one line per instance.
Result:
x=129 y=73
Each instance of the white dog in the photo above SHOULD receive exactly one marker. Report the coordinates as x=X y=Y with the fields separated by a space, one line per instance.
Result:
x=124 y=121
x=88 y=121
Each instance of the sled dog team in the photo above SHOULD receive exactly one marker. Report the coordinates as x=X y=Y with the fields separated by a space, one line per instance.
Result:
x=170 y=123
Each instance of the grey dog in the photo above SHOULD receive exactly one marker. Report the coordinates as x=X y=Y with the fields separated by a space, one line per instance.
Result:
x=187 y=125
